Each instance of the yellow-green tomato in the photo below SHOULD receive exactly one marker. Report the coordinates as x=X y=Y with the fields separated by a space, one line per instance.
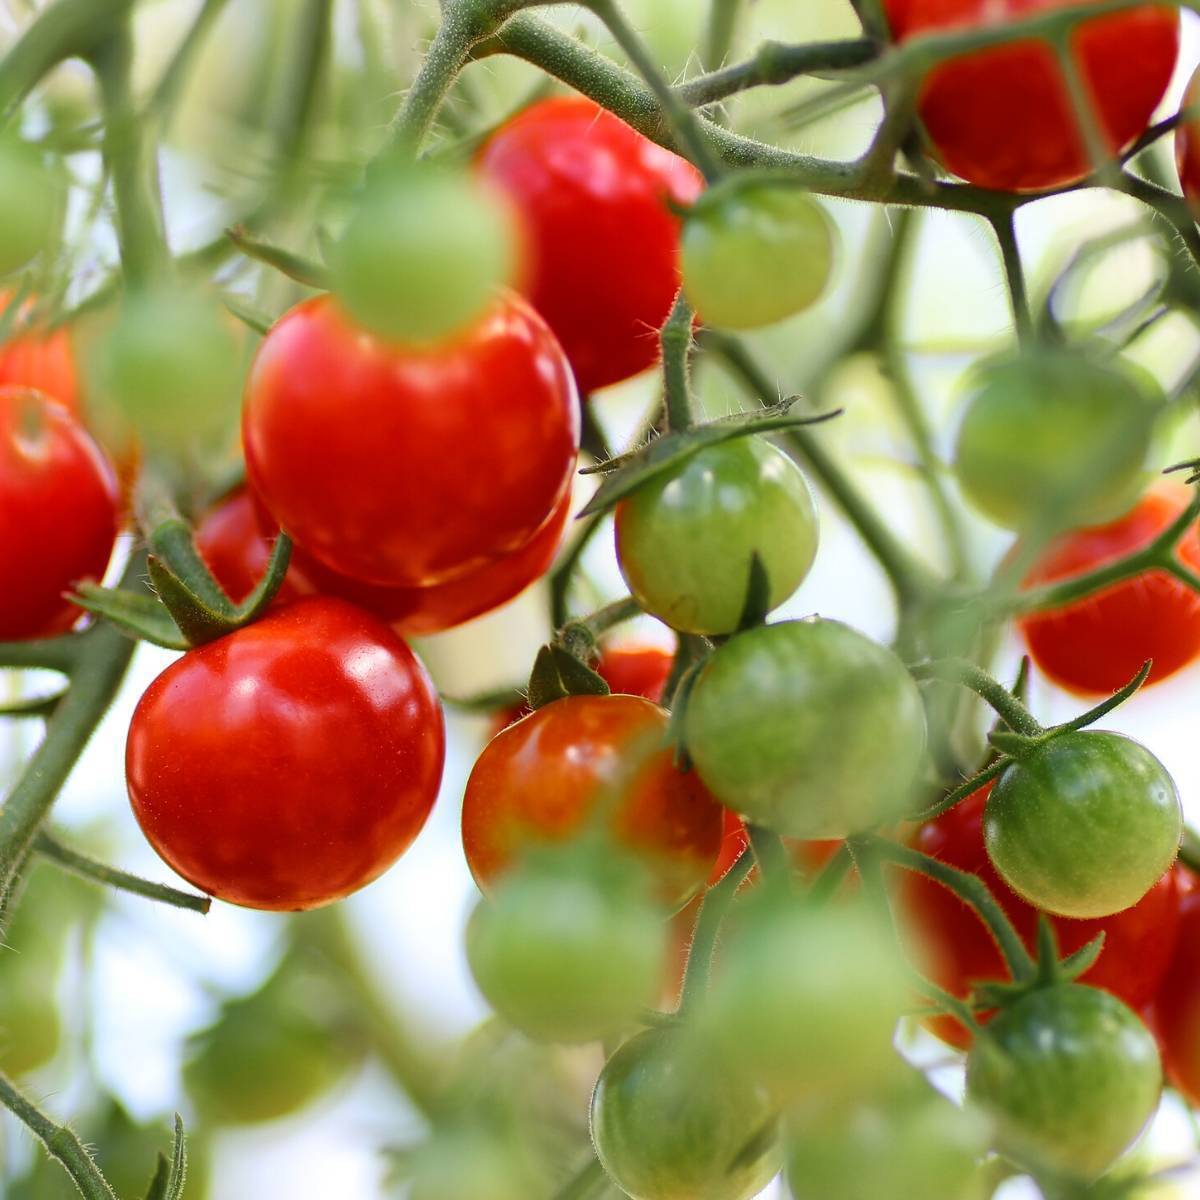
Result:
x=669 y=1123
x=425 y=253
x=472 y=1163
x=756 y=256
x=1054 y=439
x=808 y=728
x=32 y=203
x=686 y=538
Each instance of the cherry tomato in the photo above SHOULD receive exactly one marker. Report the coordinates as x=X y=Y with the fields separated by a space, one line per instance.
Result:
x=479 y=1162
x=542 y=778
x=1096 y=645
x=289 y=763
x=231 y=541
x=1053 y=439
x=58 y=513
x=1069 y=1076
x=1003 y=117
x=41 y=359
x=670 y=1125
x=1085 y=825
x=410 y=467
x=686 y=539
x=1177 y=1006
x=1187 y=147
x=807 y=727
x=756 y=256
x=592 y=194
x=32 y=204
x=957 y=950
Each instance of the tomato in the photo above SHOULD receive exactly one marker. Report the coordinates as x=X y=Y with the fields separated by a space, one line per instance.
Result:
x=1052 y=440
x=570 y=947
x=808 y=728
x=478 y=1162
x=756 y=256
x=1177 y=1006
x=409 y=467
x=1097 y=645
x=231 y=541
x=32 y=204
x=58 y=513
x=592 y=194
x=41 y=359
x=1069 y=1076
x=686 y=538
x=1187 y=147
x=1085 y=825
x=1003 y=117
x=542 y=779
x=957 y=950
x=668 y=1124
x=289 y=763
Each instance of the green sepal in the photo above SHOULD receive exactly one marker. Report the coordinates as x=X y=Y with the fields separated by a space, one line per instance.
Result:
x=162 y=1176
x=197 y=621
x=265 y=590
x=253 y=318
x=627 y=472
x=1015 y=745
x=1084 y=958
x=294 y=266
x=171 y=542
x=557 y=674
x=133 y=613
x=757 y=604
x=170 y=1176
x=1104 y=707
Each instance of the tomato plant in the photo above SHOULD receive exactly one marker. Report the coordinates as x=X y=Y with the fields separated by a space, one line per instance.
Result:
x=321 y=714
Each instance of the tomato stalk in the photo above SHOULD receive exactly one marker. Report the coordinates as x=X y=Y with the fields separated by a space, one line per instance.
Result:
x=1018 y=718
x=719 y=32
x=1014 y=274
x=676 y=346
x=713 y=910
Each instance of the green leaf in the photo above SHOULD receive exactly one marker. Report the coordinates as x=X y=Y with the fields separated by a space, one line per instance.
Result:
x=133 y=613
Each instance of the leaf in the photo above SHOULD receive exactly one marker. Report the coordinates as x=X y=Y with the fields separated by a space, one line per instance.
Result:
x=133 y=613
x=628 y=472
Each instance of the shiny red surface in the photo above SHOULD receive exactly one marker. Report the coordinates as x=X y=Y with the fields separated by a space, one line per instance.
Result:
x=1175 y=1018
x=1003 y=117
x=42 y=360
x=603 y=244
x=58 y=513
x=290 y=763
x=542 y=778
x=1098 y=644
x=1187 y=148
x=409 y=467
x=957 y=950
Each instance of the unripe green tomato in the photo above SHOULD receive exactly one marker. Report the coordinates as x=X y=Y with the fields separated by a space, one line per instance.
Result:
x=1069 y=1076
x=908 y=1142
x=472 y=1163
x=808 y=728
x=669 y=1123
x=756 y=256
x=570 y=948
x=806 y=999
x=30 y=1028
x=32 y=204
x=425 y=253
x=1084 y=826
x=1053 y=440
x=685 y=539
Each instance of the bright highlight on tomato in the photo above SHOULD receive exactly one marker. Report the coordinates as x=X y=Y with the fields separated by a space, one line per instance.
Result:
x=288 y=764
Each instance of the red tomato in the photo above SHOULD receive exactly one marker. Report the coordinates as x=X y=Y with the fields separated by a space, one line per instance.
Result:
x=1176 y=1016
x=541 y=779
x=1003 y=117
x=1095 y=646
x=43 y=360
x=407 y=466
x=592 y=193
x=1187 y=147
x=58 y=513
x=957 y=949
x=291 y=762
x=232 y=543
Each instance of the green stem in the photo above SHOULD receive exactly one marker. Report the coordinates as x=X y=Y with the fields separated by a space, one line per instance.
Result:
x=719 y=32
x=713 y=909
x=564 y=571
x=603 y=619
x=676 y=347
x=166 y=93
x=45 y=654
x=769 y=853
x=1189 y=849
x=584 y=1184
x=960 y=670
x=1014 y=273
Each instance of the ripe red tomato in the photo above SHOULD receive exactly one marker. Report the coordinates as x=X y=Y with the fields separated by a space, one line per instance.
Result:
x=541 y=779
x=1095 y=646
x=407 y=466
x=1176 y=1016
x=58 y=513
x=42 y=360
x=232 y=542
x=958 y=950
x=1187 y=147
x=291 y=762
x=592 y=193
x=1003 y=117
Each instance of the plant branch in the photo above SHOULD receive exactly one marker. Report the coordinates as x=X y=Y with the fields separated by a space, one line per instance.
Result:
x=958 y=670
x=676 y=340
x=713 y=909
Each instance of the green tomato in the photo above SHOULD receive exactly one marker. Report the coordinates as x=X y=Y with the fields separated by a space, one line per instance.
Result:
x=1085 y=825
x=686 y=538
x=571 y=947
x=30 y=1028
x=756 y=256
x=1069 y=1076
x=909 y=1141
x=808 y=728
x=669 y=1123
x=475 y=1163
x=425 y=254
x=1055 y=440
x=32 y=204
x=806 y=999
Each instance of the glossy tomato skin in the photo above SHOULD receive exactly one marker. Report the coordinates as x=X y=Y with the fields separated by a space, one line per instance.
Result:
x=1187 y=148
x=410 y=467
x=540 y=779
x=58 y=513
x=1003 y=117
x=290 y=763
x=591 y=193
x=1097 y=645
x=42 y=359
x=958 y=951
x=1177 y=1007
